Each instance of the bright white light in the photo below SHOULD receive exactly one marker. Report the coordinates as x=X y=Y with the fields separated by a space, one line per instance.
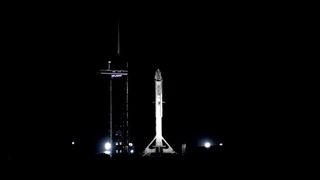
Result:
x=131 y=151
x=207 y=145
x=221 y=144
x=107 y=146
x=107 y=152
x=72 y=143
x=116 y=75
x=130 y=144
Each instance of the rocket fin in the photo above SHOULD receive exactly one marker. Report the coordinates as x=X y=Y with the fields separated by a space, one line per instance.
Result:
x=153 y=149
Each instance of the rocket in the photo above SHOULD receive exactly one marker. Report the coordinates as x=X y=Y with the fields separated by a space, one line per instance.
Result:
x=158 y=145
x=158 y=104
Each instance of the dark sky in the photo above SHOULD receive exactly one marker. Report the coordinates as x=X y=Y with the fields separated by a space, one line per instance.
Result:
x=208 y=61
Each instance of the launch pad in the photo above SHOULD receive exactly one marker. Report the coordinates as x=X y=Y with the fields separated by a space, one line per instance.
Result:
x=158 y=146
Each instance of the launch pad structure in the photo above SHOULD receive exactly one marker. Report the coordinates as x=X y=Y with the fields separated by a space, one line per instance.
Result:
x=117 y=72
x=119 y=142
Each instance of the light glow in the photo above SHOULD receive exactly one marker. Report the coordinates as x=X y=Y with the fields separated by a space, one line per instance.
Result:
x=107 y=146
x=207 y=145
x=107 y=152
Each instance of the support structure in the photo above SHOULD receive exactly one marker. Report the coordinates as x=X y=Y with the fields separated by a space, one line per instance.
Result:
x=117 y=72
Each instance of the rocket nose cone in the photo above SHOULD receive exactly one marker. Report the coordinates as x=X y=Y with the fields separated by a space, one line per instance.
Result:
x=158 y=75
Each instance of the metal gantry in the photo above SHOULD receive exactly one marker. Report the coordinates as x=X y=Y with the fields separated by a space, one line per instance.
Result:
x=116 y=73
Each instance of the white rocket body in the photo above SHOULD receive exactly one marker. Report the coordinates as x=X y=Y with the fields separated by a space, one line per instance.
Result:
x=158 y=144
x=158 y=104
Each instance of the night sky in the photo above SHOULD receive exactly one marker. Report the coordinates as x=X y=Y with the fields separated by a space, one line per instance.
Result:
x=53 y=94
